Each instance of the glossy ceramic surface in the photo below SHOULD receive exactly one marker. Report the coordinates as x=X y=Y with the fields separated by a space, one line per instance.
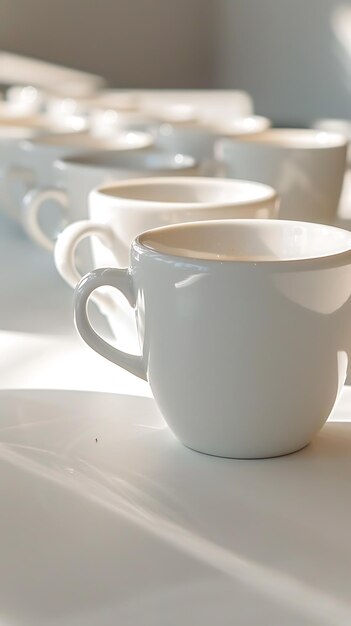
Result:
x=244 y=328
x=306 y=167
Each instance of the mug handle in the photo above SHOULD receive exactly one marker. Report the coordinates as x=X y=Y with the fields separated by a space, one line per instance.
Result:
x=65 y=250
x=15 y=174
x=120 y=279
x=31 y=206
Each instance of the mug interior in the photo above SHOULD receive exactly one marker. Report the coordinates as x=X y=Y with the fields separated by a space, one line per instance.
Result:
x=191 y=190
x=132 y=159
x=297 y=138
x=248 y=240
x=121 y=140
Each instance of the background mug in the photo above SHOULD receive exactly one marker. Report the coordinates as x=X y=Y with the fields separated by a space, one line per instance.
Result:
x=76 y=175
x=244 y=328
x=199 y=139
x=35 y=160
x=120 y=212
x=306 y=167
x=15 y=176
x=343 y=127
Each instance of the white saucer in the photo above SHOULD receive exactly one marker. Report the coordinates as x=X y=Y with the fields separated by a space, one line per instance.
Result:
x=106 y=519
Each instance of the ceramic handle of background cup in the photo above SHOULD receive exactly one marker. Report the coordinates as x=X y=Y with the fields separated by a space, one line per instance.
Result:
x=219 y=158
x=120 y=279
x=15 y=175
x=65 y=252
x=31 y=206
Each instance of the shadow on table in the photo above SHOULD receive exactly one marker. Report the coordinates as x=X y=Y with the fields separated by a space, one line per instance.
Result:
x=105 y=515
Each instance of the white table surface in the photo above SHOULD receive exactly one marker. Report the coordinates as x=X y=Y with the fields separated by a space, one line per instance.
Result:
x=40 y=347
x=107 y=520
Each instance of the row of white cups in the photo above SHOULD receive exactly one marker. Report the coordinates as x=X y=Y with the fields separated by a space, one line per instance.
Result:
x=240 y=321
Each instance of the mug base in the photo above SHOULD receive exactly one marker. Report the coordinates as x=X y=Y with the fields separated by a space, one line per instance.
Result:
x=247 y=456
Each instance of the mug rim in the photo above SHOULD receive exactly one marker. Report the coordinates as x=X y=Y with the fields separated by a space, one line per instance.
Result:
x=39 y=142
x=341 y=125
x=268 y=193
x=34 y=121
x=285 y=139
x=77 y=160
x=234 y=126
x=322 y=260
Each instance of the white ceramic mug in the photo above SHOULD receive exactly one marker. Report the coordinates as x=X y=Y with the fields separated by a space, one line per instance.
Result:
x=199 y=140
x=36 y=158
x=120 y=212
x=244 y=329
x=331 y=125
x=27 y=96
x=15 y=176
x=209 y=104
x=77 y=175
x=305 y=166
x=16 y=108
x=105 y=112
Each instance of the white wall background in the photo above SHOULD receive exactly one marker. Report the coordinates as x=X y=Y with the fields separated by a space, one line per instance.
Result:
x=293 y=56
x=134 y=43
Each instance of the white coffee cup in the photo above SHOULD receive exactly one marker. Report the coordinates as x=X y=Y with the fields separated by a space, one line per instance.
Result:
x=77 y=175
x=244 y=328
x=104 y=113
x=35 y=161
x=17 y=108
x=305 y=166
x=120 y=212
x=103 y=122
x=15 y=176
x=27 y=96
x=211 y=104
x=331 y=125
x=199 y=140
